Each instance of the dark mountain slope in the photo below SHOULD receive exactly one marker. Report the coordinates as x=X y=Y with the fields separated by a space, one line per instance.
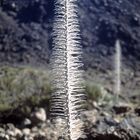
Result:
x=25 y=28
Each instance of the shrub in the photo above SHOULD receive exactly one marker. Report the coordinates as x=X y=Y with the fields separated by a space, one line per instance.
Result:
x=17 y=85
x=97 y=93
x=93 y=92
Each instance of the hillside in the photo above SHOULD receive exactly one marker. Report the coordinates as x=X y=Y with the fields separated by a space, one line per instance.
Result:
x=25 y=52
x=29 y=24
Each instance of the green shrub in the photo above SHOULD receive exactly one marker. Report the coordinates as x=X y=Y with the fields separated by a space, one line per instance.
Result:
x=93 y=92
x=97 y=93
x=20 y=84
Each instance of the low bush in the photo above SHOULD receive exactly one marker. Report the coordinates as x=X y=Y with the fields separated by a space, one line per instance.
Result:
x=17 y=85
x=98 y=93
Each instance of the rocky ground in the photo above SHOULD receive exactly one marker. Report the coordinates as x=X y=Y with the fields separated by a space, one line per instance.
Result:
x=119 y=122
x=25 y=40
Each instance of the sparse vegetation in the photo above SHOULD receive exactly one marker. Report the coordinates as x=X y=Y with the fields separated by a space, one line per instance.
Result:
x=98 y=93
x=26 y=85
x=18 y=85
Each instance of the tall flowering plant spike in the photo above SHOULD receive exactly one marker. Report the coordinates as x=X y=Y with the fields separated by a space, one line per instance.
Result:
x=68 y=98
x=118 y=66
